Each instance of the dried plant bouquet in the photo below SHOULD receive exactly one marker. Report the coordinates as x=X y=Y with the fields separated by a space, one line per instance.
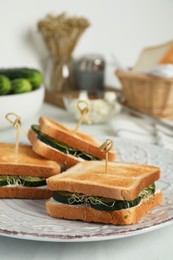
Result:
x=61 y=35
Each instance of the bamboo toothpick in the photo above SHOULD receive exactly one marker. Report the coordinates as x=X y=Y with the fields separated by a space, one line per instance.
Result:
x=106 y=147
x=16 y=123
x=83 y=108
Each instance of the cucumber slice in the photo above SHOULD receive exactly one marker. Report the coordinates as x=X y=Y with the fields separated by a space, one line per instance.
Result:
x=22 y=180
x=63 y=147
x=101 y=203
x=111 y=205
x=28 y=181
x=35 y=128
x=64 y=197
x=3 y=181
x=94 y=202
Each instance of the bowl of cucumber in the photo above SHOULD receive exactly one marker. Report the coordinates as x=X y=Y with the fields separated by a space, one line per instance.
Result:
x=21 y=92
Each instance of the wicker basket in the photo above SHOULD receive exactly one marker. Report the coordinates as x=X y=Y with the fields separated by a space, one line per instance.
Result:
x=147 y=94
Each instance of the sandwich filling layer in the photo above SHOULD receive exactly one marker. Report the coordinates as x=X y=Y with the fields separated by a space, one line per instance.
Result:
x=62 y=147
x=101 y=203
x=25 y=181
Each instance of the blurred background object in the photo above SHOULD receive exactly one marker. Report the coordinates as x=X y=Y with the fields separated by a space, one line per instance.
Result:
x=25 y=105
x=118 y=30
x=148 y=86
x=102 y=105
x=120 y=27
x=147 y=94
x=61 y=34
x=89 y=72
x=152 y=56
x=21 y=92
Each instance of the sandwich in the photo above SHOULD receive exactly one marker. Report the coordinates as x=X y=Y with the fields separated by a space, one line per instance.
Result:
x=122 y=196
x=61 y=144
x=23 y=174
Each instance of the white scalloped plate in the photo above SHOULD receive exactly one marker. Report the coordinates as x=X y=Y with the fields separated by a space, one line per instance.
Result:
x=27 y=219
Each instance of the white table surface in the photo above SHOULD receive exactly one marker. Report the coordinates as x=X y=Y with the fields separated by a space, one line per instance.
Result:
x=154 y=245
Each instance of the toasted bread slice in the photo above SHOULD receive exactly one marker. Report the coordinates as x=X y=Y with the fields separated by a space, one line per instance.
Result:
x=25 y=163
x=117 y=217
x=24 y=193
x=168 y=56
x=78 y=140
x=155 y=55
x=123 y=181
x=51 y=153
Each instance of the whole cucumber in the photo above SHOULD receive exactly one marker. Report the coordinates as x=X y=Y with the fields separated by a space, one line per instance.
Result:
x=20 y=86
x=5 y=85
x=33 y=75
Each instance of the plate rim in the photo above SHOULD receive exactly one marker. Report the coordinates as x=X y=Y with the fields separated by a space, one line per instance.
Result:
x=84 y=238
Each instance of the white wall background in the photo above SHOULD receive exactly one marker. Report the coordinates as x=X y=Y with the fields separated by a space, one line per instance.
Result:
x=119 y=27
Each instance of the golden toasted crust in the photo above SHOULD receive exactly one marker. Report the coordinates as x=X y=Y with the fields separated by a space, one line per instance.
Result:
x=123 y=181
x=79 y=140
x=50 y=153
x=25 y=163
x=32 y=136
x=117 y=217
x=24 y=193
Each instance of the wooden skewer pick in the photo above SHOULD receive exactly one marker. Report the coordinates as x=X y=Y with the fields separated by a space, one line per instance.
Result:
x=83 y=108
x=16 y=123
x=106 y=147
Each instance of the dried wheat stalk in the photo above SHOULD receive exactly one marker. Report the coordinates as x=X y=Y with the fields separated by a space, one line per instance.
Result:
x=61 y=35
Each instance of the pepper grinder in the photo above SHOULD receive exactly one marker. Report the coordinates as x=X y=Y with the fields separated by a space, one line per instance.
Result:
x=89 y=72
